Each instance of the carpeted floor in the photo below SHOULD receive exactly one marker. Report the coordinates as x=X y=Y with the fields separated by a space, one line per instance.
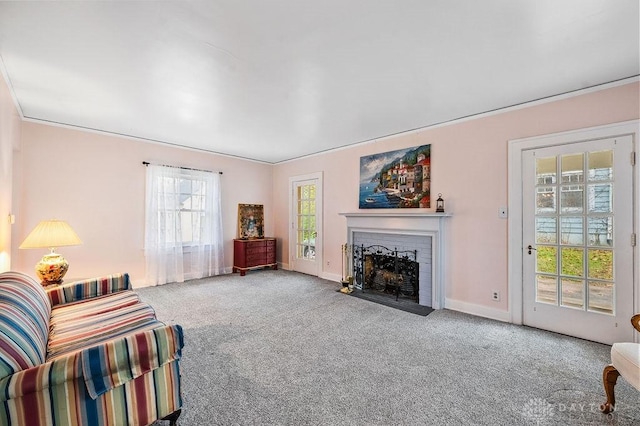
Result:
x=281 y=348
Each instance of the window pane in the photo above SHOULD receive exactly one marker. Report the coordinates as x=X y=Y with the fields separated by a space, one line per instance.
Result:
x=601 y=165
x=187 y=227
x=546 y=171
x=572 y=293
x=601 y=264
x=572 y=261
x=572 y=168
x=572 y=230
x=185 y=186
x=601 y=296
x=545 y=230
x=546 y=200
x=572 y=199
x=546 y=259
x=601 y=198
x=546 y=289
x=600 y=231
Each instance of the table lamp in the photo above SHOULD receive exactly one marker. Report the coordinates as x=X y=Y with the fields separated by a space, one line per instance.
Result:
x=51 y=234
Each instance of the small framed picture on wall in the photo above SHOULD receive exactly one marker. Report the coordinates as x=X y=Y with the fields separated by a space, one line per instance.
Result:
x=250 y=221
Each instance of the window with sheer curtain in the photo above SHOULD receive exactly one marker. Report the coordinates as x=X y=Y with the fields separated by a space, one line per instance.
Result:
x=183 y=226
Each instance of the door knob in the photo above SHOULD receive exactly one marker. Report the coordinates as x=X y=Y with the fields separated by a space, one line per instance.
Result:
x=529 y=248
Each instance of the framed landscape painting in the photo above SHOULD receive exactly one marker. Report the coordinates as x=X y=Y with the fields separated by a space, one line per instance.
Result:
x=396 y=179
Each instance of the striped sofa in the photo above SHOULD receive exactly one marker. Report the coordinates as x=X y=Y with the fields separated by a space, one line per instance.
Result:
x=85 y=353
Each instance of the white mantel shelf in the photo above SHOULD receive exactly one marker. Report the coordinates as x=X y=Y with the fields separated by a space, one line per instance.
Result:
x=394 y=214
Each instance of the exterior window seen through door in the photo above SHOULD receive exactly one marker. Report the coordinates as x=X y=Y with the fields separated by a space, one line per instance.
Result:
x=306 y=222
x=574 y=231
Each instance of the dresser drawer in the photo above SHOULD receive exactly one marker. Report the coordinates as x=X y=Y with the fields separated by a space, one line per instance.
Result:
x=250 y=254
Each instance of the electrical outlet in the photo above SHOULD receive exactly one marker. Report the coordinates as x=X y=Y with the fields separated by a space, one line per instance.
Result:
x=495 y=295
x=328 y=263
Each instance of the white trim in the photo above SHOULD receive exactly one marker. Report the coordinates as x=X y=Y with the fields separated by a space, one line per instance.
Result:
x=330 y=276
x=478 y=310
x=514 y=169
x=318 y=176
x=5 y=75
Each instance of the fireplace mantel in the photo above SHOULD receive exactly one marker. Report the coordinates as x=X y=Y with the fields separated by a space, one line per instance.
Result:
x=394 y=213
x=424 y=223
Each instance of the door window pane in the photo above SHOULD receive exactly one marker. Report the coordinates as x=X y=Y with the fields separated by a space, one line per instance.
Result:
x=600 y=198
x=601 y=264
x=600 y=165
x=546 y=230
x=601 y=296
x=547 y=259
x=546 y=200
x=600 y=231
x=572 y=230
x=547 y=289
x=572 y=168
x=572 y=261
x=572 y=293
x=572 y=199
x=546 y=171
x=306 y=222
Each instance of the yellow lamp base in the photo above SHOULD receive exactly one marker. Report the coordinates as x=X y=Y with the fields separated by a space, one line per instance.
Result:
x=51 y=269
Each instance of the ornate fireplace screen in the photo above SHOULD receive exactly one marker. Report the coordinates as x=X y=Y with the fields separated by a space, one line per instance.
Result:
x=380 y=269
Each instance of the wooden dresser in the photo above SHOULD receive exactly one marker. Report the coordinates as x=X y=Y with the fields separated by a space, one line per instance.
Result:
x=256 y=253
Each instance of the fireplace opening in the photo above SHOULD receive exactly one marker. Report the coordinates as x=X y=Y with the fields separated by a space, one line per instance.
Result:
x=386 y=271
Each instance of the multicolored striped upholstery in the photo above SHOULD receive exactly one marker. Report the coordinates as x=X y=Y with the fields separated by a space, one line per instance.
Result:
x=98 y=357
x=85 y=289
x=55 y=394
x=133 y=355
x=24 y=322
x=90 y=322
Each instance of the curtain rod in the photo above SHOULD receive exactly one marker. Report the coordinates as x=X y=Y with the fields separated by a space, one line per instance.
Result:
x=146 y=163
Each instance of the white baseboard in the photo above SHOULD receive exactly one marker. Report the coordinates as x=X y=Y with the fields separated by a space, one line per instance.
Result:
x=478 y=310
x=324 y=275
x=331 y=277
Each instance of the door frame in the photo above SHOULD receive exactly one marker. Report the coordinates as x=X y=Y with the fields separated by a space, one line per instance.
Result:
x=515 y=245
x=319 y=219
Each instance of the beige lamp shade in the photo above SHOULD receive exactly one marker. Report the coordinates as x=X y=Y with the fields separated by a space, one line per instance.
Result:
x=51 y=234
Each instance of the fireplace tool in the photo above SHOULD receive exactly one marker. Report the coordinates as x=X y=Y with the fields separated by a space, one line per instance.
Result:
x=347 y=270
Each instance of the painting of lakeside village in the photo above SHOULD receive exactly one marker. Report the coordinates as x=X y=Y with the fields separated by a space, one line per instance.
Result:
x=396 y=179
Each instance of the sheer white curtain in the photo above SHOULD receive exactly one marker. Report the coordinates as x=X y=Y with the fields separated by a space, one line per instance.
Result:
x=183 y=225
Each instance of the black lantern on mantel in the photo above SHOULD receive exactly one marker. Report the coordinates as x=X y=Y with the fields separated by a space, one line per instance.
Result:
x=439 y=204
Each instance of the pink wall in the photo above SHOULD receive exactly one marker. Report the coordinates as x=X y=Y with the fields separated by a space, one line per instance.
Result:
x=96 y=182
x=9 y=141
x=469 y=167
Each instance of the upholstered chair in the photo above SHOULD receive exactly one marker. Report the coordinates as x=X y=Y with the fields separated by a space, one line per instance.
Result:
x=625 y=362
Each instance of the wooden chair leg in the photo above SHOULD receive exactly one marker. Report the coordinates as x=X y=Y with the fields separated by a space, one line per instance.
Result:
x=609 y=378
x=173 y=417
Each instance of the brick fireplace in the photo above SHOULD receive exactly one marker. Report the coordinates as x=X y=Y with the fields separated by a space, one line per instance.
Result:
x=426 y=233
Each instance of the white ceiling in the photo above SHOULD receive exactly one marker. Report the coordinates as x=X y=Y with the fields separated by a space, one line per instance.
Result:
x=273 y=80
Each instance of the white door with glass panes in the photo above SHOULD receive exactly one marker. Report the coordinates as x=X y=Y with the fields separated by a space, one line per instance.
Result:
x=305 y=236
x=578 y=239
